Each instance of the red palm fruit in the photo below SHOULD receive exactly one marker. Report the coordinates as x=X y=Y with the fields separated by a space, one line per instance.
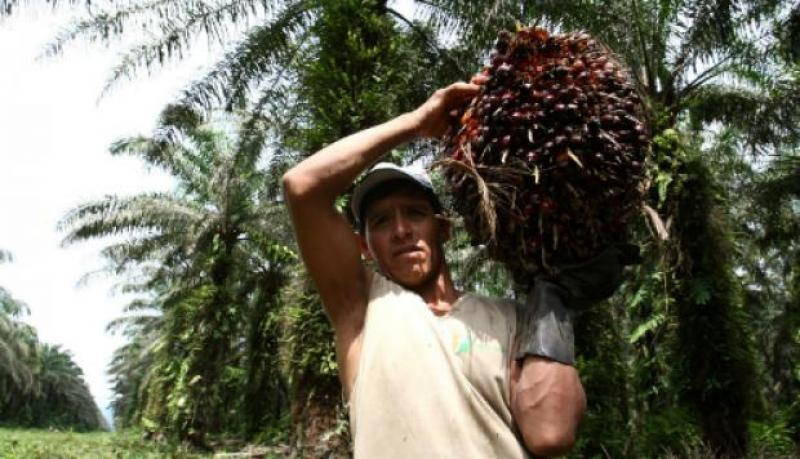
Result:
x=565 y=146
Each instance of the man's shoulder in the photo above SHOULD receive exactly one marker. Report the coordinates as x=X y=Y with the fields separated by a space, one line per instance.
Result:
x=378 y=285
x=491 y=320
x=497 y=301
x=507 y=307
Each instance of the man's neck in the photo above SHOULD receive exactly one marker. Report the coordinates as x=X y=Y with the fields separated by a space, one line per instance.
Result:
x=440 y=294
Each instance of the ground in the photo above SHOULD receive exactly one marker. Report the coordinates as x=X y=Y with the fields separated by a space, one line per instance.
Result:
x=44 y=444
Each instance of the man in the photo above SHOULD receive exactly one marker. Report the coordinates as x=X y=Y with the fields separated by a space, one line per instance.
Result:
x=429 y=371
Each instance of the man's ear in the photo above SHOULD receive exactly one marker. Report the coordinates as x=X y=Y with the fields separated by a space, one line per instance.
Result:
x=362 y=244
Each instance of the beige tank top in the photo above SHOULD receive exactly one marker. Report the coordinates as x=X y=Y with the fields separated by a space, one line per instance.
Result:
x=430 y=386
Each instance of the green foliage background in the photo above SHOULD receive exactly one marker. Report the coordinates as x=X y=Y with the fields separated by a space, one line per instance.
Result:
x=40 y=385
x=698 y=353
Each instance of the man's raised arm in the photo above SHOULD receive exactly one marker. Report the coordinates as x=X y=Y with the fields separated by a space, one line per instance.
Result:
x=328 y=245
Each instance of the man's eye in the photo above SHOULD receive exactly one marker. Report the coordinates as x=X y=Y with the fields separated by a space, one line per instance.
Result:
x=379 y=221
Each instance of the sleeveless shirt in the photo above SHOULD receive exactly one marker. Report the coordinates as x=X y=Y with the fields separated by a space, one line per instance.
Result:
x=432 y=386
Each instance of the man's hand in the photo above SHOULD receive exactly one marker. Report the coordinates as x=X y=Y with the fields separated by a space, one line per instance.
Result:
x=545 y=326
x=436 y=115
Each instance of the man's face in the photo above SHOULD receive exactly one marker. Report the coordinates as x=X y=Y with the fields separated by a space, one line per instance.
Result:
x=404 y=236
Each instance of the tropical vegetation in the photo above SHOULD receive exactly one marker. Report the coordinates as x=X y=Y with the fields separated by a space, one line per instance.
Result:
x=39 y=444
x=699 y=352
x=40 y=384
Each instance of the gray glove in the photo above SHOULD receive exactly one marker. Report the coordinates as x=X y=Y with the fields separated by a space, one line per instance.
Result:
x=545 y=324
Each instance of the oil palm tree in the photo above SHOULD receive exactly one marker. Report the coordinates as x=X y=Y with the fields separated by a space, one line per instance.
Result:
x=776 y=275
x=49 y=389
x=17 y=343
x=132 y=364
x=17 y=349
x=40 y=385
x=273 y=39
x=348 y=56
x=62 y=398
x=214 y=253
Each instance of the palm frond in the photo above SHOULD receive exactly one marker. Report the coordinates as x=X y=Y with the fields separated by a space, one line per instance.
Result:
x=10 y=7
x=791 y=35
x=704 y=27
x=11 y=306
x=252 y=60
x=781 y=182
x=105 y=26
x=175 y=27
x=159 y=212
x=142 y=304
x=444 y=15
x=7 y=7
x=14 y=354
x=130 y=324
x=140 y=250
x=766 y=118
x=168 y=149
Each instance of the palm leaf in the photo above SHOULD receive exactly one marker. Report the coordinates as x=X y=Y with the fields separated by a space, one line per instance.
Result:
x=252 y=60
x=113 y=215
x=765 y=118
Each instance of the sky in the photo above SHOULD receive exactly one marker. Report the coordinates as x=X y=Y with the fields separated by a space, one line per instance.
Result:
x=54 y=139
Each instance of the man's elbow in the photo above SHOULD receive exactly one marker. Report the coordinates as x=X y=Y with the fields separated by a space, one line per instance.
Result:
x=548 y=403
x=549 y=425
x=549 y=441
x=295 y=185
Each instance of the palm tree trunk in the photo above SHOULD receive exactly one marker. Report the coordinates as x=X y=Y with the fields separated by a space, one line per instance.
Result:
x=716 y=372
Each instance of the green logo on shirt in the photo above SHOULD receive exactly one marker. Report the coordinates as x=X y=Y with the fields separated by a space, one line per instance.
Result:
x=466 y=344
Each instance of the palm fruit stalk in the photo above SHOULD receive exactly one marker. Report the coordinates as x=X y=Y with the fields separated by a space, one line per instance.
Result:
x=546 y=165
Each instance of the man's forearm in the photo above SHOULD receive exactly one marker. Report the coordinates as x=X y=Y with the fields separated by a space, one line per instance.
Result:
x=547 y=402
x=331 y=170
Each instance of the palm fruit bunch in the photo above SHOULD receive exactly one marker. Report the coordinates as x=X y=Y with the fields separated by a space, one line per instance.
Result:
x=546 y=164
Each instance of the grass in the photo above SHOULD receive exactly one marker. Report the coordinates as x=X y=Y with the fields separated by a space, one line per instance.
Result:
x=35 y=444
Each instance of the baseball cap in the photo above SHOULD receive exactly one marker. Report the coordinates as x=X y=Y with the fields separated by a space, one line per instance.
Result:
x=383 y=172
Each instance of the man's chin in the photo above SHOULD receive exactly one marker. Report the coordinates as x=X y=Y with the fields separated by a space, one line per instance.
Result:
x=412 y=280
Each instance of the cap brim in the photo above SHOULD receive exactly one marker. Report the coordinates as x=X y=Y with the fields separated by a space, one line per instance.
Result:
x=375 y=178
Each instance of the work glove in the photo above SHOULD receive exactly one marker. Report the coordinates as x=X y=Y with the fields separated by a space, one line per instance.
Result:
x=545 y=324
